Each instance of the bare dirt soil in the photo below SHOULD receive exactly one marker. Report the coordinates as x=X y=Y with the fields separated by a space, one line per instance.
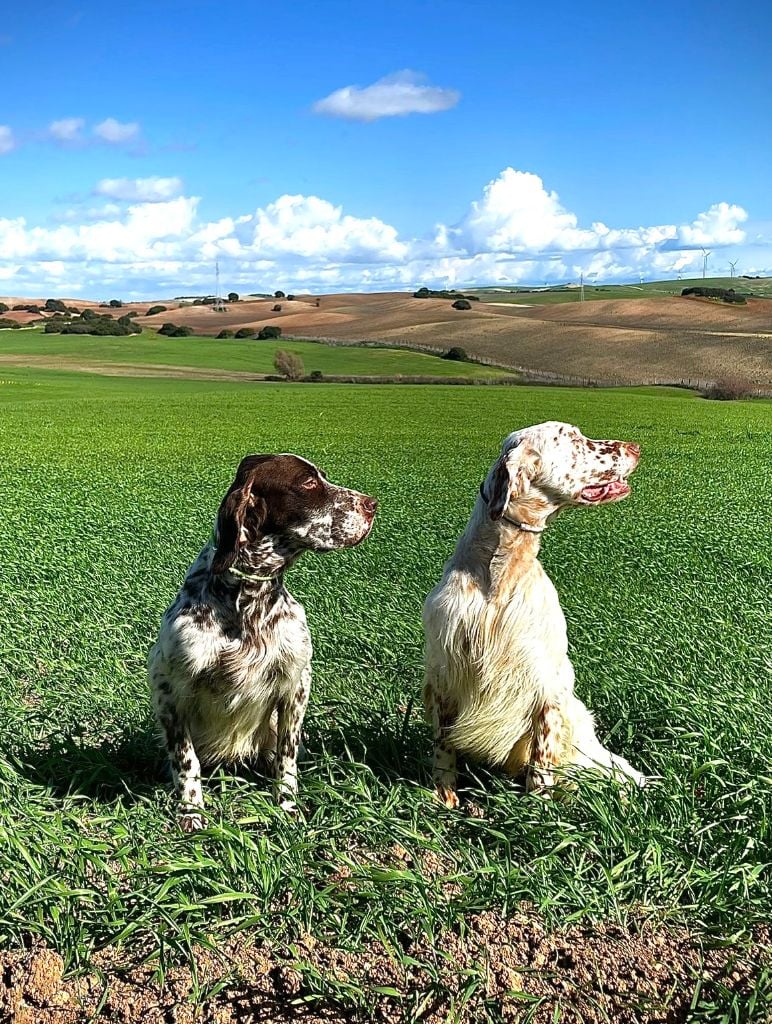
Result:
x=640 y=975
x=617 y=340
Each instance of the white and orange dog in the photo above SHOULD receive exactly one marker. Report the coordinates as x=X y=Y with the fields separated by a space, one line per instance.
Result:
x=499 y=686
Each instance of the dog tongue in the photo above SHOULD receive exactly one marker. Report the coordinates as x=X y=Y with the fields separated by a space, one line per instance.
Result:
x=591 y=493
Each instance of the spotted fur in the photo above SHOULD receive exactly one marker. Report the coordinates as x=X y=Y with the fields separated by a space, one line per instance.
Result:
x=230 y=673
x=499 y=686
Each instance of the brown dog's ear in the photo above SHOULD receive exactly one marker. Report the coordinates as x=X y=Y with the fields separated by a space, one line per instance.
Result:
x=239 y=504
x=511 y=478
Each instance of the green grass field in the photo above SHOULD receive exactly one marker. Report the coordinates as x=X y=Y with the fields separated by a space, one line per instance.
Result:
x=649 y=289
x=108 y=490
x=246 y=356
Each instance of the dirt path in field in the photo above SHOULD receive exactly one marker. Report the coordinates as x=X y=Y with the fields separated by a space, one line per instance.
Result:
x=128 y=369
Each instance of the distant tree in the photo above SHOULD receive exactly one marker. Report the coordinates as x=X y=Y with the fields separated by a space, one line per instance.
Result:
x=316 y=375
x=233 y=296
x=115 y=303
x=155 y=309
x=462 y=304
x=422 y=293
x=288 y=364
x=456 y=353
x=6 y=322
x=245 y=332
x=268 y=332
x=4 y=308
x=225 y=333
x=175 y=331
x=276 y=308
x=279 y=295
x=55 y=306
x=290 y=298
x=318 y=303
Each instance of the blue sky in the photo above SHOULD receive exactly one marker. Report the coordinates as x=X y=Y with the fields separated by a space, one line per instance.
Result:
x=340 y=146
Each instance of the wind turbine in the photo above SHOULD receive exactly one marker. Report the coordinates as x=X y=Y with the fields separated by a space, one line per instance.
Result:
x=705 y=254
x=732 y=265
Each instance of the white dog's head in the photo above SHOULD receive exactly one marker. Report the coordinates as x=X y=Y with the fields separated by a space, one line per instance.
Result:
x=550 y=466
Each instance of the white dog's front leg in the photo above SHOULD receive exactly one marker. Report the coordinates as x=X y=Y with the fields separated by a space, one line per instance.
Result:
x=444 y=771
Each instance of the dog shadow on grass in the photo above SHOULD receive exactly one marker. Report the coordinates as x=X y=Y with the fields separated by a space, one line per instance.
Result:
x=129 y=766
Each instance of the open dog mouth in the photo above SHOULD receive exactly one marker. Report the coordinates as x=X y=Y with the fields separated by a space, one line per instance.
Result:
x=613 y=491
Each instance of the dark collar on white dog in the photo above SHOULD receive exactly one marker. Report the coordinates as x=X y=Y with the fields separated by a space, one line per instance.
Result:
x=526 y=527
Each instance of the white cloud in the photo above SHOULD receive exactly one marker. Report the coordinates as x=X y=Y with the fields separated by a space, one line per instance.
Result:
x=393 y=96
x=115 y=132
x=139 y=190
x=148 y=240
x=68 y=129
x=7 y=141
x=717 y=226
x=312 y=228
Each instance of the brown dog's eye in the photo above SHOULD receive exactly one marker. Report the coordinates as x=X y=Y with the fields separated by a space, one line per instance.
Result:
x=310 y=483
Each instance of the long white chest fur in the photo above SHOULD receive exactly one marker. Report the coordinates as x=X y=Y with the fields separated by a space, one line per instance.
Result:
x=230 y=678
x=501 y=653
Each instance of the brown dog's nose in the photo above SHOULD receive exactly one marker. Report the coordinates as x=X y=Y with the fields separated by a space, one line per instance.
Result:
x=370 y=505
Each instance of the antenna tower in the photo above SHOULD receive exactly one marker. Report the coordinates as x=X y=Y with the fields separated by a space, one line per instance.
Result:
x=219 y=306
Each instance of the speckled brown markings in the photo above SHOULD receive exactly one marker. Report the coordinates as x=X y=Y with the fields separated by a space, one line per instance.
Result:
x=230 y=673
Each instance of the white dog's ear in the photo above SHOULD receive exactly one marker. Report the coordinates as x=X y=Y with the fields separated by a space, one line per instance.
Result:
x=511 y=477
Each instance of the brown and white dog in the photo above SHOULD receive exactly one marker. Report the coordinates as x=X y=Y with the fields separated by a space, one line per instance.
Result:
x=499 y=686
x=230 y=673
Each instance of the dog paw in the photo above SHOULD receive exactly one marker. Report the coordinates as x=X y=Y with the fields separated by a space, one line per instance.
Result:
x=447 y=796
x=191 y=821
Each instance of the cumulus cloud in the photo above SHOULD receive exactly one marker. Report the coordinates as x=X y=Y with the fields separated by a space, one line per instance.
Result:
x=149 y=239
x=7 y=140
x=405 y=92
x=139 y=190
x=67 y=130
x=115 y=132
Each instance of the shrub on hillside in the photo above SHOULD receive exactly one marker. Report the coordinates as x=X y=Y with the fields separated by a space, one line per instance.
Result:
x=316 y=375
x=462 y=304
x=233 y=296
x=730 y=389
x=279 y=295
x=268 y=332
x=245 y=332
x=290 y=298
x=4 y=308
x=7 y=322
x=288 y=364
x=726 y=294
x=155 y=309
x=175 y=331
x=225 y=333
x=115 y=303
x=276 y=308
x=456 y=353
x=29 y=308
x=100 y=326
x=55 y=306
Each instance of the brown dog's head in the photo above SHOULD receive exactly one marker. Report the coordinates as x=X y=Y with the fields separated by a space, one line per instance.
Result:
x=287 y=499
x=550 y=466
